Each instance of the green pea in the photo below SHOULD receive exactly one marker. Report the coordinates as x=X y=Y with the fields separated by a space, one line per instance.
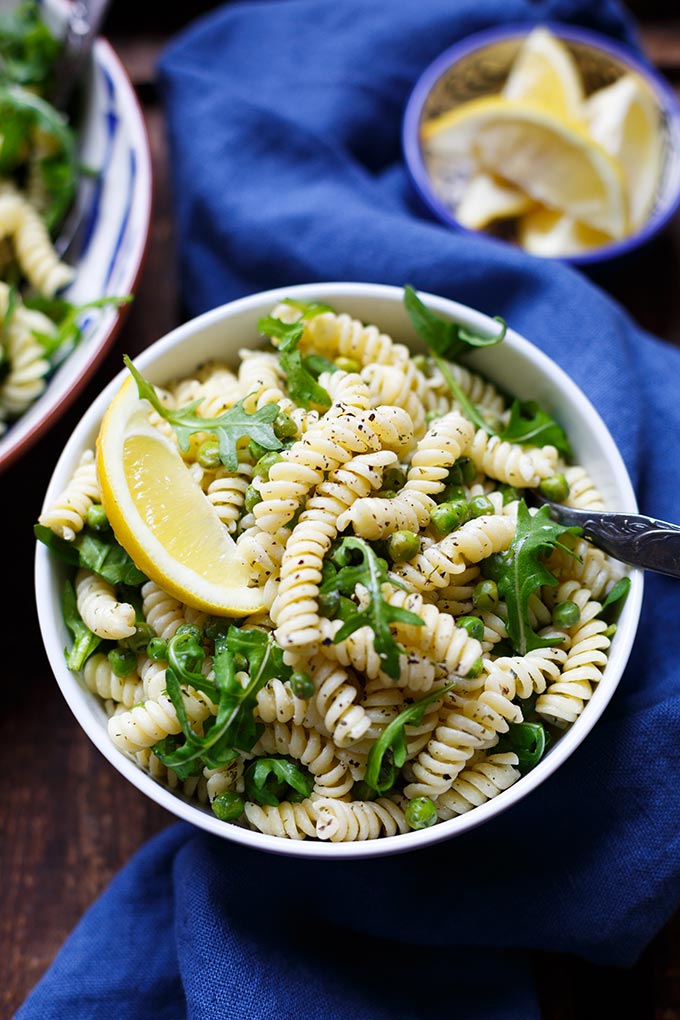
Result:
x=393 y=478
x=431 y=417
x=403 y=546
x=122 y=661
x=251 y=498
x=485 y=595
x=555 y=488
x=302 y=685
x=448 y=516
x=329 y=603
x=480 y=505
x=96 y=518
x=452 y=493
x=261 y=469
x=509 y=493
x=473 y=625
x=141 y=637
x=240 y=662
x=157 y=649
x=192 y=629
x=468 y=470
x=566 y=614
x=347 y=364
x=421 y=362
x=228 y=806
x=284 y=426
x=256 y=450
x=421 y=813
x=208 y=454
x=387 y=493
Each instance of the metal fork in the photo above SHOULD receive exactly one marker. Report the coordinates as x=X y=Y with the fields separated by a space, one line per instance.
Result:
x=85 y=20
x=636 y=539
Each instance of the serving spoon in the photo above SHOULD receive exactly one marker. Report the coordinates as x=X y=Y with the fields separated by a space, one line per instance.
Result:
x=632 y=538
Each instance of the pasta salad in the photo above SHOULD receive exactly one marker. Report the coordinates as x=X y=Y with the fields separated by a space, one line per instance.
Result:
x=426 y=633
x=39 y=174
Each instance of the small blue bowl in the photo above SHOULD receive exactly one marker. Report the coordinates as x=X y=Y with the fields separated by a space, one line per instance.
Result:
x=478 y=66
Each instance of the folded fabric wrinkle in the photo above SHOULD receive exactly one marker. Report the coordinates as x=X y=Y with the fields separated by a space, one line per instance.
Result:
x=284 y=126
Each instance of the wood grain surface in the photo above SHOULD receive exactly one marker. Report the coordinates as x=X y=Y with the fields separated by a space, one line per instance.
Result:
x=69 y=821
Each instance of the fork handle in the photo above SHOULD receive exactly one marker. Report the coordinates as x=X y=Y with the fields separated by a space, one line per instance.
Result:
x=633 y=538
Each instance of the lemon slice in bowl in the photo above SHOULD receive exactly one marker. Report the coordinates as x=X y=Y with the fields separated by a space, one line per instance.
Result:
x=161 y=516
x=552 y=234
x=487 y=198
x=623 y=119
x=556 y=162
x=544 y=74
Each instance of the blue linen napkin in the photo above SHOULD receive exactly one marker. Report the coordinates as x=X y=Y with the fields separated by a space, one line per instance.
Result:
x=284 y=123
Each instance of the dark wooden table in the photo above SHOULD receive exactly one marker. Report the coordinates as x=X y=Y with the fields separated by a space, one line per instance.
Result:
x=68 y=820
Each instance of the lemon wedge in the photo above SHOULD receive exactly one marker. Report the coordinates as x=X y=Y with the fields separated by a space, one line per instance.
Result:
x=161 y=516
x=551 y=234
x=623 y=119
x=544 y=74
x=487 y=198
x=555 y=162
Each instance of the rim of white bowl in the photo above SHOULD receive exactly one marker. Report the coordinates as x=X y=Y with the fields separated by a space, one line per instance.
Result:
x=27 y=430
x=80 y=700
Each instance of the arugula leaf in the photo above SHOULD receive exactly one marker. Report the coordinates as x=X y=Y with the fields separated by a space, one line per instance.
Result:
x=446 y=339
x=308 y=308
x=69 y=332
x=529 y=423
x=315 y=364
x=380 y=775
x=96 y=551
x=272 y=780
x=372 y=573
x=229 y=427
x=615 y=601
x=520 y=571
x=84 y=641
x=22 y=114
x=234 y=728
x=528 y=740
x=164 y=750
x=302 y=386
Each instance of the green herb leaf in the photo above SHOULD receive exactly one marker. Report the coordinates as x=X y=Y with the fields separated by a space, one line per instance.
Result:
x=371 y=572
x=166 y=748
x=273 y=780
x=528 y=740
x=615 y=601
x=315 y=364
x=28 y=49
x=530 y=424
x=84 y=641
x=380 y=775
x=234 y=728
x=521 y=570
x=69 y=331
x=302 y=385
x=229 y=427
x=444 y=338
x=96 y=551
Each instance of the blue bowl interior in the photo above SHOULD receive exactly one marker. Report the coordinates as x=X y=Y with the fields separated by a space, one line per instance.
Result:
x=478 y=66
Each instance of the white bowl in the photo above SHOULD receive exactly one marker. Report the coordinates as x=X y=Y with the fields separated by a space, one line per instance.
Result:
x=219 y=333
x=112 y=138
